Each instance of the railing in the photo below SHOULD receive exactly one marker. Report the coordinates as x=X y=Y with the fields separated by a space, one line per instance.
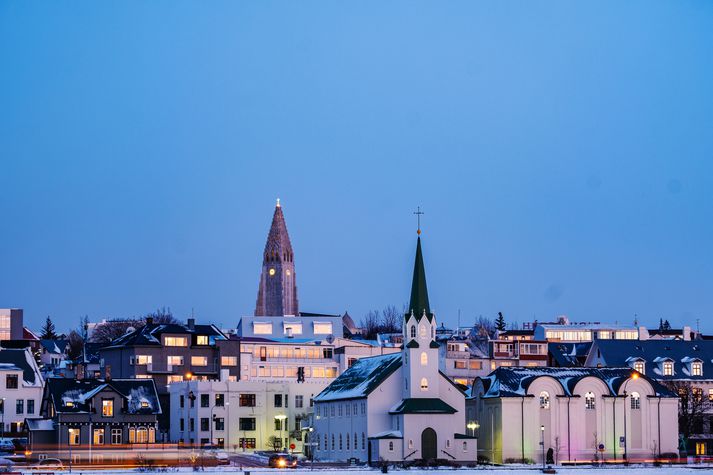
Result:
x=452 y=457
x=458 y=354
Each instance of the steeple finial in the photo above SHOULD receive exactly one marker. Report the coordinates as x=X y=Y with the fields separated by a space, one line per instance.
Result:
x=418 y=214
x=278 y=202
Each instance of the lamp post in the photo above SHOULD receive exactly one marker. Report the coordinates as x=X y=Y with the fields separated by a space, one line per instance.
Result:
x=281 y=418
x=311 y=449
x=472 y=425
x=626 y=442
x=2 y=413
x=542 y=443
x=227 y=438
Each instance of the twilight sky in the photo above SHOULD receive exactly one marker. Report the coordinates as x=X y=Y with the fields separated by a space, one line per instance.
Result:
x=562 y=153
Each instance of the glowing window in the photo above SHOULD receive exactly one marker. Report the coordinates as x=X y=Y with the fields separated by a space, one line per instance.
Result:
x=668 y=368
x=635 y=400
x=262 y=328
x=424 y=384
x=545 y=400
x=639 y=366
x=107 y=408
x=202 y=339
x=697 y=368
x=424 y=358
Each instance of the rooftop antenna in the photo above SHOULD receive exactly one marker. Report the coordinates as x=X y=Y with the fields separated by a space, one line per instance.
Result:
x=698 y=325
x=458 y=319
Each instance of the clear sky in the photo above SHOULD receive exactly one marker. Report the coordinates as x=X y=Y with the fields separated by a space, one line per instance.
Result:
x=562 y=153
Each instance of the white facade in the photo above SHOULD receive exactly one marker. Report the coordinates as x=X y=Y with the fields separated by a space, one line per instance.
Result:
x=265 y=360
x=21 y=386
x=241 y=415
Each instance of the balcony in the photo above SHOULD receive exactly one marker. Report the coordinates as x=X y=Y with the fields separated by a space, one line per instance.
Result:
x=461 y=355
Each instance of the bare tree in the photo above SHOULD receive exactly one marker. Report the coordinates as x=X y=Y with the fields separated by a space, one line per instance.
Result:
x=691 y=409
x=370 y=324
x=76 y=345
x=391 y=319
x=484 y=327
x=275 y=442
x=113 y=329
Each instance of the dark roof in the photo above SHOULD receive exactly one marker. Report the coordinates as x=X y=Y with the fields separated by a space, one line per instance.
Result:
x=150 y=334
x=517 y=332
x=90 y=354
x=412 y=344
x=433 y=344
x=464 y=436
x=419 y=293
x=313 y=314
x=54 y=346
x=622 y=352
x=515 y=380
x=423 y=406
x=79 y=392
x=17 y=359
x=362 y=378
x=569 y=354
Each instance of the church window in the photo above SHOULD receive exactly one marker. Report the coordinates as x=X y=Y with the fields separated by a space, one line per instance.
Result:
x=635 y=400
x=410 y=443
x=413 y=331
x=347 y=441
x=340 y=442
x=544 y=400
x=424 y=358
x=363 y=441
x=589 y=401
x=465 y=446
x=424 y=384
x=391 y=446
x=422 y=330
x=332 y=441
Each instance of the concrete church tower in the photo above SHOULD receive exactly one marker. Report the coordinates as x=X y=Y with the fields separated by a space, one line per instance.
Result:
x=277 y=293
x=420 y=353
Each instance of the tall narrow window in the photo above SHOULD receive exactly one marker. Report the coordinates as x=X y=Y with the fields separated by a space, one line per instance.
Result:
x=424 y=358
x=635 y=400
x=668 y=368
x=697 y=368
x=422 y=330
x=424 y=384
x=589 y=401
x=413 y=331
x=545 y=400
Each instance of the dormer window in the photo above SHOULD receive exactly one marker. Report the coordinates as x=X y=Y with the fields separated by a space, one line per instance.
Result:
x=696 y=368
x=668 y=368
x=69 y=403
x=202 y=340
x=639 y=367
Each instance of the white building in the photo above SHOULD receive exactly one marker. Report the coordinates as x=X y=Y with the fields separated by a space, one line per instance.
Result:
x=241 y=415
x=21 y=387
x=582 y=414
x=396 y=407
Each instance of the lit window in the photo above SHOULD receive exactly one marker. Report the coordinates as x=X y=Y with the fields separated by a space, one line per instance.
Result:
x=229 y=361
x=199 y=360
x=175 y=378
x=175 y=360
x=293 y=328
x=262 y=328
x=98 y=437
x=322 y=328
x=700 y=448
x=589 y=401
x=202 y=340
x=73 y=434
x=697 y=368
x=544 y=400
x=175 y=341
x=107 y=408
x=144 y=359
x=424 y=358
x=424 y=384
x=668 y=368
x=422 y=331
x=639 y=367
x=635 y=400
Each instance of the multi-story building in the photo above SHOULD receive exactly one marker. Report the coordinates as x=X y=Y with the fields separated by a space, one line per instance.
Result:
x=169 y=353
x=11 y=324
x=566 y=332
x=242 y=415
x=286 y=359
x=21 y=390
x=463 y=360
x=517 y=353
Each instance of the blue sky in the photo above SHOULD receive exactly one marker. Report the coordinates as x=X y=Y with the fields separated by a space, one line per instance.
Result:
x=562 y=153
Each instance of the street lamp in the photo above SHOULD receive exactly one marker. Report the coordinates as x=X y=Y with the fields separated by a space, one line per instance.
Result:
x=542 y=443
x=626 y=442
x=281 y=418
x=472 y=425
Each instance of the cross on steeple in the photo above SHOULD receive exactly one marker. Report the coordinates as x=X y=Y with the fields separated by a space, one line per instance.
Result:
x=418 y=214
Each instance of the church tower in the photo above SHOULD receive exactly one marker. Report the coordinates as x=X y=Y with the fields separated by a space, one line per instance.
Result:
x=277 y=293
x=420 y=352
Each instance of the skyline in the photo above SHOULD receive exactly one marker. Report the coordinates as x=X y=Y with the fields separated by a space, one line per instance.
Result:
x=561 y=153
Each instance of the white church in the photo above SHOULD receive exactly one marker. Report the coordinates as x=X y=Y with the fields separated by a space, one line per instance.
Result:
x=397 y=407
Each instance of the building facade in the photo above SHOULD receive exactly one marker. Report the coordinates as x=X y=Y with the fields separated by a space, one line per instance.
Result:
x=11 y=324
x=21 y=385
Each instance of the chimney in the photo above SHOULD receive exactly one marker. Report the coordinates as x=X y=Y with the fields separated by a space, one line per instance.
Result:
x=149 y=320
x=107 y=372
x=192 y=323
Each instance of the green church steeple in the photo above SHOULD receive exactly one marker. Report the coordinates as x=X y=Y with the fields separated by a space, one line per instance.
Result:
x=419 y=292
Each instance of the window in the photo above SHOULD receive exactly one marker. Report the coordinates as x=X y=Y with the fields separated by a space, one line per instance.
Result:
x=639 y=367
x=11 y=381
x=20 y=406
x=363 y=441
x=205 y=424
x=175 y=378
x=422 y=330
x=246 y=423
x=635 y=400
x=199 y=360
x=98 y=438
x=448 y=443
x=191 y=424
x=205 y=400
x=293 y=328
x=413 y=331
x=341 y=447
x=219 y=400
x=589 y=400
x=175 y=360
x=73 y=435
x=229 y=361
x=459 y=364
x=322 y=328
x=142 y=435
x=175 y=341
x=278 y=400
x=424 y=384
x=247 y=443
x=668 y=368
x=544 y=400
x=247 y=400
x=299 y=401
x=710 y=397
x=107 y=408
x=143 y=359
x=262 y=328
x=202 y=340
x=30 y=406
x=182 y=424
x=348 y=442
x=424 y=358
x=2 y=406
x=697 y=394
x=701 y=448
x=332 y=441
x=697 y=368
x=181 y=400
x=391 y=446
x=116 y=436
x=475 y=364
x=410 y=443
x=278 y=424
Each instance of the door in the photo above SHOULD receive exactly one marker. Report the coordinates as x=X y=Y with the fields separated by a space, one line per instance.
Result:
x=429 y=444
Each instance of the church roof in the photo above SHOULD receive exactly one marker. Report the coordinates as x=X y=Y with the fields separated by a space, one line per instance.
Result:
x=278 y=240
x=419 y=292
x=412 y=344
x=365 y=375
x=422 y=406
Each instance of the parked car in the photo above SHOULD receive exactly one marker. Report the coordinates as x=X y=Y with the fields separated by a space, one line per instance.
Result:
x=282 y=461
x=6 y=445
x=47 y=464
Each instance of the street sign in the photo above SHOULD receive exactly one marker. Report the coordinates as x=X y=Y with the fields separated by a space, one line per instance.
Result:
x=622 y=441
x=292 y=446
x=601 y=447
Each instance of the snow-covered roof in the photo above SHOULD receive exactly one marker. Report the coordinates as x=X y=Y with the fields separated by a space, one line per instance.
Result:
x=362 y=378
x=515 y=381
x=40 y=424
x=21 y=360
x=388 y=434
x=74 y=396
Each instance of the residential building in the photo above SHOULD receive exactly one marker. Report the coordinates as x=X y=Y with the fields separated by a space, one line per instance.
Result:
x=21 y=385
x=580 y=414
x=305 y=326
x=463 y=360
x=517 y=353
x=96 y=421
x=11 y=324
x=564 y=331
x=397 y=407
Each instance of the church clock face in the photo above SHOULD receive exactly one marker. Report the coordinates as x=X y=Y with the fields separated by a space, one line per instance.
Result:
x=272 y=272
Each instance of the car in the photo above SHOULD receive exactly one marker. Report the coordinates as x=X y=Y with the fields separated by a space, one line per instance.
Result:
x=6 y=445
x=48 y=463
x=282 y=461
x=220 y=456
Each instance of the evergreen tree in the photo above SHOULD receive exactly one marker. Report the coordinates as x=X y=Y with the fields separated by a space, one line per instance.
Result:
x=48 y=330
x=660 y=323
x=666 y=325
x=500 y=322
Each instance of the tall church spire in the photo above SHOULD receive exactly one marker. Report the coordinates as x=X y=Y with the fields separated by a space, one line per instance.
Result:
x=419 y=292
x=277 y=293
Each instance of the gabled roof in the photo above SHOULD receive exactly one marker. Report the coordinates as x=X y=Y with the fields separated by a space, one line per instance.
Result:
x=90 y=353
x=568 y=355
x=150 y=334
x=412 y=344
x=136 y=393
x=388 y=434
x=21 y=360
x=514 y=381
x=680 y=352
x=54 y=346
x=362 y=378
x=422 y=406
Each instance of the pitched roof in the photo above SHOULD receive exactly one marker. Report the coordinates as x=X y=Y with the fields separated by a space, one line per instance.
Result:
x=419 y=293
x=422 y=406
x=514 y=381
x=21 y=360
x=54 y=346
x=150 y=334
x=137 y=393
x=619 y=353
x=362 y=378
x=569 y=354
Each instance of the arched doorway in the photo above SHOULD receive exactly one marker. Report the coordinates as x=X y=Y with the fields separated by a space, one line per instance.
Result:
x=429 y=444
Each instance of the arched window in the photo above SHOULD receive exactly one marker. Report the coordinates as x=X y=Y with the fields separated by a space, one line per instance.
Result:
x=356 y=442
x=142 y=435
x=363 y=441
x=325 y=442
x=422 y=330
x=589 y=400
x=544 y=400
x=424 y=384
x=347 y=441
x=391 y=446
x=332 y=441
x=465 y=446
x=424 y=358
x=635 y=400
x=413 y=331
x=340 y=442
